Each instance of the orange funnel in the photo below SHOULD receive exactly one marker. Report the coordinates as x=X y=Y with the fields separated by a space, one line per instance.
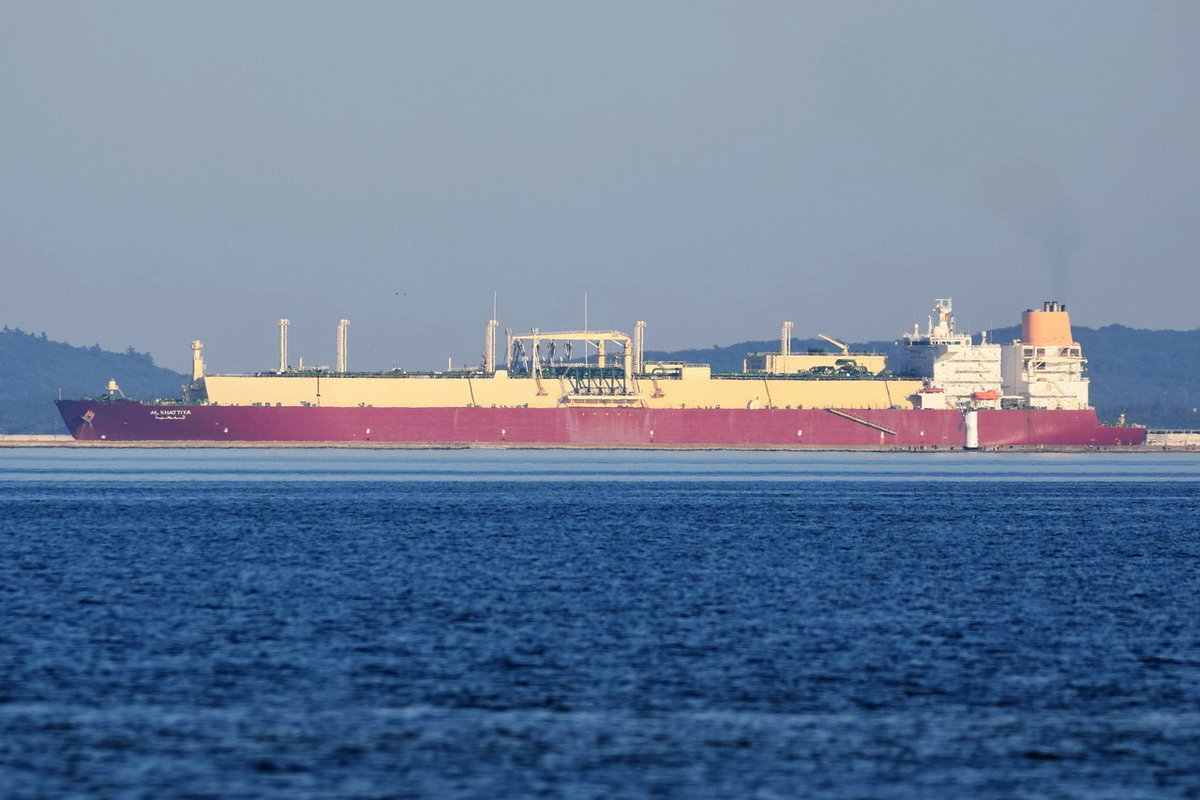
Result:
x=1049 y=327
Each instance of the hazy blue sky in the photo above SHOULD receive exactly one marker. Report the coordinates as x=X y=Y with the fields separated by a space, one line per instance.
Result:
x=171 y=171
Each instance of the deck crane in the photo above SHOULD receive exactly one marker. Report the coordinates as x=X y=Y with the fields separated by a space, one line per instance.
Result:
x=845 y=348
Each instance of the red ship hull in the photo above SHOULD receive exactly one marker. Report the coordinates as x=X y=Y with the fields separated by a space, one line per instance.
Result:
x=131 y=421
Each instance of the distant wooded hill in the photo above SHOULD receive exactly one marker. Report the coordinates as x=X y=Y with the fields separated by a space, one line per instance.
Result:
x=1153 y=377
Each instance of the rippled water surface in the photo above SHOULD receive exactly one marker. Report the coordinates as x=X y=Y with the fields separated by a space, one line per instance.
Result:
x=482 y=624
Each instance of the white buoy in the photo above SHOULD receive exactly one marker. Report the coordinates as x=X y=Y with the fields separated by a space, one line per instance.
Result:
x=971 y=430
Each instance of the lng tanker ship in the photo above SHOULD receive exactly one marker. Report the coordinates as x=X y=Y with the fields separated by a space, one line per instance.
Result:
x=938 y=389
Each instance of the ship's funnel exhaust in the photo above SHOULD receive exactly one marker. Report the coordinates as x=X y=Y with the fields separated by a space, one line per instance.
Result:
x=1050 y=327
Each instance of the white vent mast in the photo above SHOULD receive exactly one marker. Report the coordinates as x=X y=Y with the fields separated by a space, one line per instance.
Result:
x=283 y=330
x=639 y=345
x=341 y=344
x=489 y=347
x=197 y=359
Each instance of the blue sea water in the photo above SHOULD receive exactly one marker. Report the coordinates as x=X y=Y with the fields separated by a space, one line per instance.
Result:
x=488 y=624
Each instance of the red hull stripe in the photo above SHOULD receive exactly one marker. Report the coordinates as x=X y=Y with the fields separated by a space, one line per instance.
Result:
x=130 y=421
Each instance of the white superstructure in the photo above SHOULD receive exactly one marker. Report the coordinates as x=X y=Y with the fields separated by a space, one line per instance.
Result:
x=959 y=373
x=1042 y=369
